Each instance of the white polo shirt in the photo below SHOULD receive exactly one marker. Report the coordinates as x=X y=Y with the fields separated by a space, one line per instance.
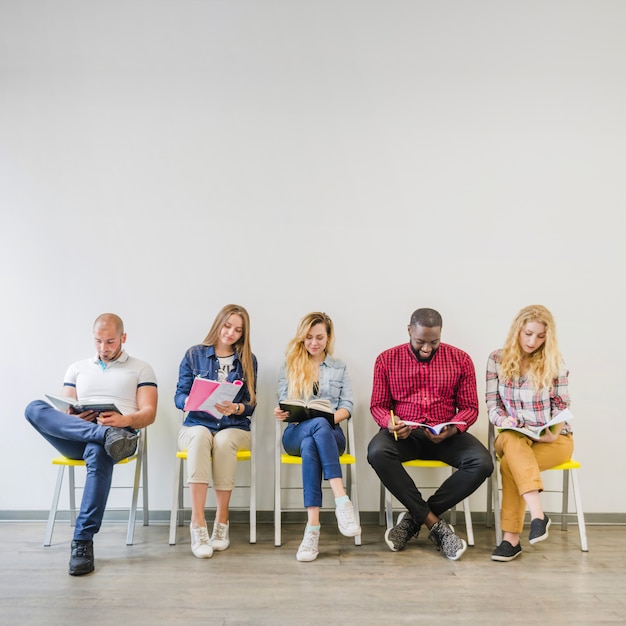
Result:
x=117 y=382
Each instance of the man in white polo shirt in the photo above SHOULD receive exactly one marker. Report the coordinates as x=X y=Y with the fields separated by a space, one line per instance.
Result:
x=104 y=438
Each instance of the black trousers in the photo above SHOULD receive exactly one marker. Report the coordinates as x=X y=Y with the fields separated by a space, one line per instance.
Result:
x=463 y=451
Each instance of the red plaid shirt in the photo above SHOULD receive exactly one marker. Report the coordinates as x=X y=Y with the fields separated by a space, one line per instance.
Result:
x=439 y=391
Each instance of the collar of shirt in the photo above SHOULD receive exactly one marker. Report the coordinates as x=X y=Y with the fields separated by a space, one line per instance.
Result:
x=122 y=358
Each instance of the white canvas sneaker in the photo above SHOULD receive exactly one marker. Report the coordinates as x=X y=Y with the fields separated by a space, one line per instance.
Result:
x=200 y=542
x=219 y=538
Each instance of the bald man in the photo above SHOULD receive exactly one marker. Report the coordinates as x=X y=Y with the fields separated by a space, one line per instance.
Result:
x=101 y=439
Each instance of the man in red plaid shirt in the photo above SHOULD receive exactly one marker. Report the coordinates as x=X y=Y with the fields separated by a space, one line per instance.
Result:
x=424 y=399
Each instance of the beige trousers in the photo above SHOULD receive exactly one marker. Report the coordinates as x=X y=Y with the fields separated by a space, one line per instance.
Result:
x=521 y=462
x=213 y=455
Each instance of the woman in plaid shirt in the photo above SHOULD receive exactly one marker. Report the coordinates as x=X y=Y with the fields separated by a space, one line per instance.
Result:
x=527 y=388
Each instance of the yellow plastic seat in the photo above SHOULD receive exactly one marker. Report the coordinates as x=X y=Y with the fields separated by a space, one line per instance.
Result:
x=347 y=460
x=386 y=499
x=570 y=470
x=178 y=511
x=140 y=482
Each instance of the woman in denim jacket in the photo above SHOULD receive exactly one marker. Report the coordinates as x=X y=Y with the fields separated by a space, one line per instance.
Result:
x=311 y=373
x=212 y=441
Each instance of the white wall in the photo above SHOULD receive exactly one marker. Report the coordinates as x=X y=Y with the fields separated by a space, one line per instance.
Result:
x=159 y=159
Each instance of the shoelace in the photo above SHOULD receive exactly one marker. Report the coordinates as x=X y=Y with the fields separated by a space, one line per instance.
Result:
x=219 y=532
x=202 y=535
x=80 y=551
x=308 y=542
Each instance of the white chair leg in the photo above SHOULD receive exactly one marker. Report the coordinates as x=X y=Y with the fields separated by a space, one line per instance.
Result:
x=54 y=506
x=277 y=493
x=565 y=504
x=388 y=509
x=175 y=500
x=496 y=504
x=72 y=480
x=354 y=498
x=469 y=527
x=579 y=512
x=253 y=496
x=144 y=479
x=132 y=514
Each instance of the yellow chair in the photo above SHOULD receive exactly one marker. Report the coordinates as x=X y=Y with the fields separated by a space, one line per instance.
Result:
x=386 y=500
x=140 y=482
x=178 y=512
x=570 y=470
x=348 y=459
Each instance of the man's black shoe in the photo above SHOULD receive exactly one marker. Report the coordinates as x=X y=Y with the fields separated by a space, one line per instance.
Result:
x=81 y=561
x=120 y=443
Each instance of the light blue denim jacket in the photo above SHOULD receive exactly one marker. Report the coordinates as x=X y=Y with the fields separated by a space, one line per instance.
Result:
x=335 y=385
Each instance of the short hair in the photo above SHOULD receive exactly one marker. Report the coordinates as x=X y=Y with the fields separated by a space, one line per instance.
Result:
x=110 y=318
x=429 y=318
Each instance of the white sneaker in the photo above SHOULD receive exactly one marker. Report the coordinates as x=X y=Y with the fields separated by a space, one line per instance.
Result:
x=308 y=548
x=219 y=538
x=346 y=521
x=200 y=542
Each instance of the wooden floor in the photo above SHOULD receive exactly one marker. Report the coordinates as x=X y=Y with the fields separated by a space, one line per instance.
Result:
x=154 y=583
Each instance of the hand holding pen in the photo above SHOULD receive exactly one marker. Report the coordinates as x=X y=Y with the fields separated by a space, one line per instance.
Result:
x=393 y=422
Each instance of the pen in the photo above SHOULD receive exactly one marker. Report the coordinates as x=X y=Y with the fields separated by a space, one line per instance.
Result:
x=393 y=421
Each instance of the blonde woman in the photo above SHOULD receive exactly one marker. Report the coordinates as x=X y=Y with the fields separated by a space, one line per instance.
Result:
x=527 y=387
x=310 y=372
x=212 y=441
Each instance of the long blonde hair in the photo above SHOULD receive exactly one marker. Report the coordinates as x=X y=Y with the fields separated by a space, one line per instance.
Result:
x=242 y=347
x=545 y=362
x=299 y=366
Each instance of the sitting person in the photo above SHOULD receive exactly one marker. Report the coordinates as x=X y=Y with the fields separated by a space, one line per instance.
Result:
x=213 y=440
x=100 y=439
x=527 y=387
x=311 y=373
x=418 y=384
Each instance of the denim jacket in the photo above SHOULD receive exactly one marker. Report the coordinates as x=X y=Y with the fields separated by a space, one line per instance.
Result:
x=334 y=383
x=201 y=361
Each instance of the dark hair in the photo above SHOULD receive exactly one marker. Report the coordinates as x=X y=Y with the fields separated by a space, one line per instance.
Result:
x=429 y=318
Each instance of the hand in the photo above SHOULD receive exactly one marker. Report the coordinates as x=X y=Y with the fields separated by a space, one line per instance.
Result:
x=227 y=408
x=447 y=431
x=508 y=422
x=280 y=415
x=88 y=416
x=111 y=418
x=401 y=429
x=549 y=437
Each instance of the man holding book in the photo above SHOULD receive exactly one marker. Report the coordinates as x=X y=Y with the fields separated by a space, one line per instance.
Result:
x=100 y=438
x=426 y=383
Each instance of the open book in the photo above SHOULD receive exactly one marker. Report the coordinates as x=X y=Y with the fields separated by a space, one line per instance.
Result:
x=435 y=429
x=205 y=394
x=535 y=433
x=299 y=411
x=63 y=404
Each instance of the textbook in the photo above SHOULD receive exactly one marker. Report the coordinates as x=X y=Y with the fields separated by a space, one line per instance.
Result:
x=435 y=429
x=205 y=394
x=535 y=433
x=300 y=411
x=62 y=404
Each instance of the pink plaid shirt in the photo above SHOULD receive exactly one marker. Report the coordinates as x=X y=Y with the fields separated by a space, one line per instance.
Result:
x=519 y=399
x=439 y=391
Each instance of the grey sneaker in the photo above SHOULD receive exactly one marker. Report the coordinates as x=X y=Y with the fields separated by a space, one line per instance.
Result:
x=120 y=443
x=219 y=539
x=405 y=529
x=442 y=535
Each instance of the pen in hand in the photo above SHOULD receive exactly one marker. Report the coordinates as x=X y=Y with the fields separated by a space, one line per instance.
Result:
x=393 y=421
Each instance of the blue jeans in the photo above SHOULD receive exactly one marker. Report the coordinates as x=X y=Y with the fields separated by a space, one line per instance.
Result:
x=463 y=451
x=319 y=445
x=78 y=439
